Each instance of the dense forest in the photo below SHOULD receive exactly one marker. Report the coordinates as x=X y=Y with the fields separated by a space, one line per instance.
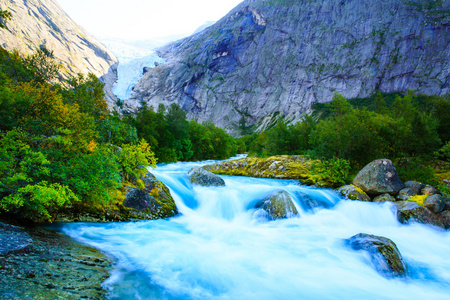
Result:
x=412 y=130
x=61 y=147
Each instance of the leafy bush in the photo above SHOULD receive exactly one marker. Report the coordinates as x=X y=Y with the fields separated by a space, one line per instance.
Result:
x=334 y=171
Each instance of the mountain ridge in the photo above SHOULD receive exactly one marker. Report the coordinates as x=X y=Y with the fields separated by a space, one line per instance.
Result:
x=44 y=22
x=267 y=58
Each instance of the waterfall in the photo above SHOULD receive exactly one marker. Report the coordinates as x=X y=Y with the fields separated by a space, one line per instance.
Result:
x=220 y=247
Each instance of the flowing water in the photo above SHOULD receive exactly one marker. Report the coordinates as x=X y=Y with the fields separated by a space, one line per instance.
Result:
x=219 y=247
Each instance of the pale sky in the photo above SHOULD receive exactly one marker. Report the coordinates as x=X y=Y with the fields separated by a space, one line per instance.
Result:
x=144 y=19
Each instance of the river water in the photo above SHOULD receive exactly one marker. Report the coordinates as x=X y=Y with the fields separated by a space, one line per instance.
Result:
x=219 y=247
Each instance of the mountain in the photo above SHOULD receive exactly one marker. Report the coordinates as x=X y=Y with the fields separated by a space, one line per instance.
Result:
x=267 y=58
x=43 y=22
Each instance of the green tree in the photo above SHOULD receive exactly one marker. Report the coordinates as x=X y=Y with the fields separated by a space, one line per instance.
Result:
x=339 y=105
x=43 y=65
x=4 y=16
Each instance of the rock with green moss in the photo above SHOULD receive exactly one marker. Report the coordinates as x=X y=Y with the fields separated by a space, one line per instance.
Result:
x=405 y=194
x=383 y=252
x=200 y=176
x=379 y=177
x=412 y=212
x=384 y=198
x=415 y=186
x=153 y=201
x=430 y=190
x=445 y=218
x=435 y=203
x=278 y=205
x=353 y=192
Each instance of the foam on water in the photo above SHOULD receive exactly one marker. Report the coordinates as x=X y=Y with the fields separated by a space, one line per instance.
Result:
x=219 y=247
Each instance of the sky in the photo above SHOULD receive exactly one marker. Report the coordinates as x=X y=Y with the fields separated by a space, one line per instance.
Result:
x=144 y=19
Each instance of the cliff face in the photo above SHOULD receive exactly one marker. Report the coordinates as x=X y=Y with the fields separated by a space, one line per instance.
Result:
x=43 y=22
x=281 y=56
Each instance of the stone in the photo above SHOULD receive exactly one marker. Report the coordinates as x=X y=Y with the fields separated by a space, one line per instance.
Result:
x=278 y=205
x=383 y=252
x=353 y=192
x=379 y=177
x=200 y=176
x=44 y=22
x=13 y=239
x=435 y=203
x=412 y=212
x=430 y=190
x=309 y=203
x=261 y=59
x=445 y=218
x=384 y=198
x=405 y=194
x=415 y=186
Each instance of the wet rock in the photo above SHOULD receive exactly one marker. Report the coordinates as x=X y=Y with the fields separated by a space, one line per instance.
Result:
x=409 y=211
x=445 y=218
x=203 y=177
x=384 y=198
x=430 y=190
x=379 y=177
x=53 y=267
x=309 y=203
x=405 y=194
x=13 y=239
x=353 y=192
x=384 y=254
x=435 y=203
x=153 y=201
x=278 y=205
x=415 y=186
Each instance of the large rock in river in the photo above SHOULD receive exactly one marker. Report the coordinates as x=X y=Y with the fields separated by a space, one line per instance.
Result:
x=353 y=192
x=384 y=254
x=409 y=211
x=200 y=176
x=152 y=202
x=379 y=177
x=278 y=205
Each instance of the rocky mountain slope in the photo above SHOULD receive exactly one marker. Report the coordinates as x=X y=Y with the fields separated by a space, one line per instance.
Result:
x=43 y=22
x=281 y=56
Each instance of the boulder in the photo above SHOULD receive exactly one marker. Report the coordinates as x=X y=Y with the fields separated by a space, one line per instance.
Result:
x=383 y=252
x=430 y=190
x=353 y=192
x=405 y=194
x=278 y=205
x=13 y=239
x=435 y=203
x=309 y=203
x=152 y=201
x=415 y=186
x=379 y=177
x=384 y=198
x=409 y=211
x=200 y=176
x=445 y=218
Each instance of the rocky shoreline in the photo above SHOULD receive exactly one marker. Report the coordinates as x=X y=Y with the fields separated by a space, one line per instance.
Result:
x=37 y=263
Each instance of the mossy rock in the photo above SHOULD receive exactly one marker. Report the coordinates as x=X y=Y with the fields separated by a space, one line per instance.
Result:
x=408 y=211
x=384 y=198
x=279 y=167
x=379 y=177
x=353 y=192
x=200 y=176
x=383 y=252
x=278 y=205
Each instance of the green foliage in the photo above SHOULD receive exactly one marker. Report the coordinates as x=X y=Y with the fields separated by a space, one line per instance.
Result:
x=334 y=171
x=416 y=169
x=339 y=106
x=42 y=64
x=134 y=158
x=4 y=16
x=39 y=200
x=444 y=152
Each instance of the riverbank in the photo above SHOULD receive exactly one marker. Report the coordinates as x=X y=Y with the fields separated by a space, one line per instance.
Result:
x=38 y=263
